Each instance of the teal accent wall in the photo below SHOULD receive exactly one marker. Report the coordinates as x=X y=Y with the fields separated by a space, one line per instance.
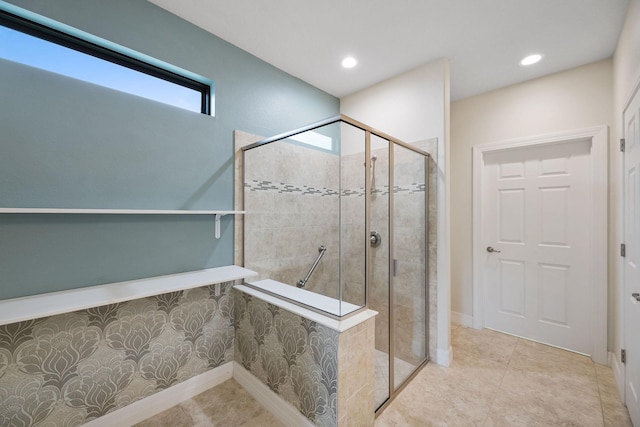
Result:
x=70 y=144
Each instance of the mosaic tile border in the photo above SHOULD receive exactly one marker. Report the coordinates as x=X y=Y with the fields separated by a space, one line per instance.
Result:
x=282 y=188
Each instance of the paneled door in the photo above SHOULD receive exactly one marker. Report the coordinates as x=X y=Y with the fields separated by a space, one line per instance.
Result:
x=537 y=219
x=631 y=291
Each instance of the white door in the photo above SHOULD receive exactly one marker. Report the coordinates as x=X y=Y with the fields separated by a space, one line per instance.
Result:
x=631 y=291
x=537 y=219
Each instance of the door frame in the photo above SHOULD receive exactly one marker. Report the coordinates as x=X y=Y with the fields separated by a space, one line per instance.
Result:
x=599 y=137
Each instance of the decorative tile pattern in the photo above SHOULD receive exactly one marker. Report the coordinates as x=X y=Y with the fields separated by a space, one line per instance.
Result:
x=281 y=187
x=75 y=367
x=297 y=358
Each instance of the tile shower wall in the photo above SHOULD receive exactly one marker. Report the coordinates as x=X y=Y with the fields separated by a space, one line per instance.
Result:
x=292 y=204
x=356 y=379
x=68 y=369
x=328 y=376
x=431 y=147
x=353 y=208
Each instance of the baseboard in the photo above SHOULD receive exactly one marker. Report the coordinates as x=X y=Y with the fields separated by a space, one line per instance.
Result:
x=618 y=374
x=444 y=356
x=149 y=406
x=462 y=319
x=285 y=412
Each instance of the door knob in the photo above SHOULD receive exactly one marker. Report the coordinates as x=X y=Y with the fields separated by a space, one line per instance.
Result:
x=491 y=250
x=636 y=296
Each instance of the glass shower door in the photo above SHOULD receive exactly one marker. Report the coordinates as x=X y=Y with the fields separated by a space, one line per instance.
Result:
x=409 y=264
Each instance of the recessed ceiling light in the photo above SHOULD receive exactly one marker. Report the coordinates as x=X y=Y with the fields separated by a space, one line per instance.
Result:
x=349 y=62
x=531 y=59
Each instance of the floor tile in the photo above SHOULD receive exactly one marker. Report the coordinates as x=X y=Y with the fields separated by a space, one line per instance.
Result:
x=497 y=380
x=227 y=405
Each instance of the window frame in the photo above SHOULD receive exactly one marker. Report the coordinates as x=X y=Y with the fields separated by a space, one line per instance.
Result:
x=87 y=47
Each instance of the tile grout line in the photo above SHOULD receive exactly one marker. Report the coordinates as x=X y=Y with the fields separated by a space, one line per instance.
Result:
x=500 y=385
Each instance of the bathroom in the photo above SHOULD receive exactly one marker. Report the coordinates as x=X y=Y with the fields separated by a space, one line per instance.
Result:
x=126 y=153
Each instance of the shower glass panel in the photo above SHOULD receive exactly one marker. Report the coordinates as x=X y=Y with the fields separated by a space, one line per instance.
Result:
x=304 y=227
x=352 y=214
x=379 y=258
x=409 y=268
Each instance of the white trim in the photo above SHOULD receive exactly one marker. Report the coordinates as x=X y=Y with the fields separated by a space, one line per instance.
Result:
x=281 y=409
x=305 y=297
x=599 y=136
x=443 y=193
x=52 y=303
x=336 y=325
x=462 y=319
x=161 y=401
x=618 y=375
x=444 y=357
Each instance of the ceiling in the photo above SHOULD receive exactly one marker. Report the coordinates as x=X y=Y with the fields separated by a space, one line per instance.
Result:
x=484 y=40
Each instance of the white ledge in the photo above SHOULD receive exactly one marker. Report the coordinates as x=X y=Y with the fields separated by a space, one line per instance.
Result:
x=36 y=306
x=303 y=296
x=115 y=211
x=325 y=320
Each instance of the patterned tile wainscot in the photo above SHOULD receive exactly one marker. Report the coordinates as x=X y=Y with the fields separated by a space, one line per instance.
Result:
x=68 y=369
x=328 y=376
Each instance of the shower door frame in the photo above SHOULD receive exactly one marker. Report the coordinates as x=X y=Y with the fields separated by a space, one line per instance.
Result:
x=393 y=391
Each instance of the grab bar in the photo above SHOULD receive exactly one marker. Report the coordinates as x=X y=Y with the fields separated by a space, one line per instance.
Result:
x=303 y=282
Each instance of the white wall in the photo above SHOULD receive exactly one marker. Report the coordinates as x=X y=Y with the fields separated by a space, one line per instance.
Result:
x=573 y=99
x=413 y=107
x=626 y=77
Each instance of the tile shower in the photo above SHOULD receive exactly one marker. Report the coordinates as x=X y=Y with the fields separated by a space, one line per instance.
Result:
x=299 y=198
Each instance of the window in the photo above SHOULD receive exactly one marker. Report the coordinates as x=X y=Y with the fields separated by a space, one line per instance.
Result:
x=314 y=139
x=37 y=45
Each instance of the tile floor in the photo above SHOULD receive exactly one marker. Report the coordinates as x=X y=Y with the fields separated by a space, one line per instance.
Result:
x=227 y=405
x=496 y=380
x=402 y=371
x=500 y=380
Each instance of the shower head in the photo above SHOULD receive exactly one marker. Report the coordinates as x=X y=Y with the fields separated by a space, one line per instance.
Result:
x=373 y=161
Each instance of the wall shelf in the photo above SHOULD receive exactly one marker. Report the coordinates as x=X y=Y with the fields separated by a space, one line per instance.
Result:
x=50 y=304
x=42 y=211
